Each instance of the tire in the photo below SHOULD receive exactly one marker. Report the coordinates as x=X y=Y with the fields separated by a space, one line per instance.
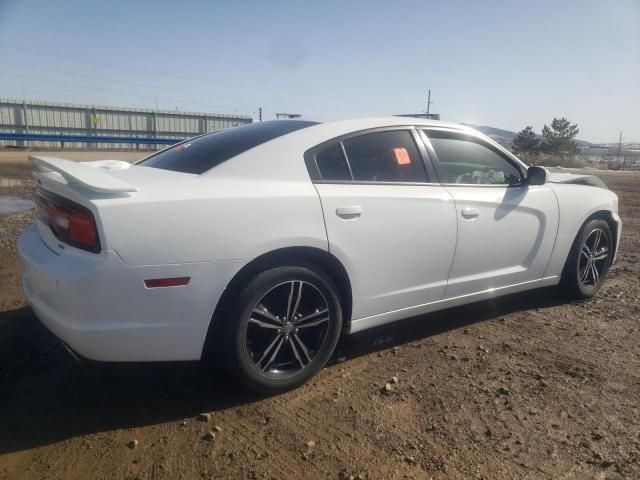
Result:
x=282 y=329
x=581 y=280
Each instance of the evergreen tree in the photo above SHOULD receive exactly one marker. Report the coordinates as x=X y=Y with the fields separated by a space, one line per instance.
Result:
x=526 y=141
x=558 y=139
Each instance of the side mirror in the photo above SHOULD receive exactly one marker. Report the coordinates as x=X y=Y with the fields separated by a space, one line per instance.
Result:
x=537 y=175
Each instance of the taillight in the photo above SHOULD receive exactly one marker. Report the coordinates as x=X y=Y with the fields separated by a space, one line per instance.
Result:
x=69 y=222
x=82 y=228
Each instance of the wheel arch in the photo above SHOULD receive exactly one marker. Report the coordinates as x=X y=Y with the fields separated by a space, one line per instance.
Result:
x=607 y=216
x=288 y=256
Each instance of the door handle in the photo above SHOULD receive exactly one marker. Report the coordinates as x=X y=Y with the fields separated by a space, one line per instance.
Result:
x=470 y=213
x=349 y=213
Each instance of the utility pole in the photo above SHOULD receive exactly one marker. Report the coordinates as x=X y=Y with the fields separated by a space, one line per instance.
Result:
x=155 y=121
x=620 y=149
x=24 y=115
x=429 y=102
x=24 y=111
x=259 y=114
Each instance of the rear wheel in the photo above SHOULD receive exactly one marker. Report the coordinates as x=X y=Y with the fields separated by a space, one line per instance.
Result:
x=284 y=328
x=590 y=259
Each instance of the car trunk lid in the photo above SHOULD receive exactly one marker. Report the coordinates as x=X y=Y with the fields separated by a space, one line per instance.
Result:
x=65 y=187
x=91 y=176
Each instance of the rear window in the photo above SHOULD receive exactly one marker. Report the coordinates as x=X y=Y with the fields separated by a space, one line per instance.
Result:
x=332 y=164
x=385 y=157
x=203 y=153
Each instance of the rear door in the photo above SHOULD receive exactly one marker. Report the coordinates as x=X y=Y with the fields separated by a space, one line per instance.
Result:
x=506 y=228
x=387 y=220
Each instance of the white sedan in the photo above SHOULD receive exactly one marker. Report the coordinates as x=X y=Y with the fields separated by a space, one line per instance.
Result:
x=262 y=244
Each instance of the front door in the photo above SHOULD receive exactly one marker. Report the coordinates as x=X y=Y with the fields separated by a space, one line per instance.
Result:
x=506 y=228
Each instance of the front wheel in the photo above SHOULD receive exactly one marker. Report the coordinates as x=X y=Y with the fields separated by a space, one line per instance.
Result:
x=590 y=259
x=286 y=324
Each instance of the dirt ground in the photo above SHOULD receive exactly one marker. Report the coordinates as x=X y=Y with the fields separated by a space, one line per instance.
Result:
x=528 y=386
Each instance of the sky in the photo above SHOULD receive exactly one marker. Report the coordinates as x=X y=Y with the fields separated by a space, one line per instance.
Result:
x=505 y=64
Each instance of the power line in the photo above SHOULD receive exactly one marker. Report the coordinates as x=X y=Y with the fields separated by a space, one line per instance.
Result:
x=37 y=79
x=189 y=92
x=105 y=94
x=111 y=92
x=217 y=82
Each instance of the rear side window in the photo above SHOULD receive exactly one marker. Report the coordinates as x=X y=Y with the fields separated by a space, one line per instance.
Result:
x=331 y=164
x=385 y=157
x=466 y=160
x=203 y=153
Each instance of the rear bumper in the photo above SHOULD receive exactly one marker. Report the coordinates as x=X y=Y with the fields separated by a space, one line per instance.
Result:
x=100 y=307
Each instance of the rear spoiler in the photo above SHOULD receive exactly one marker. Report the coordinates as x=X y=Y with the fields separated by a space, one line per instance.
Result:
x=81 y=173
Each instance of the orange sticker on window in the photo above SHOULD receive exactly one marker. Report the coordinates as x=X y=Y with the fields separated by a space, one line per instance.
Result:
x=402 y=156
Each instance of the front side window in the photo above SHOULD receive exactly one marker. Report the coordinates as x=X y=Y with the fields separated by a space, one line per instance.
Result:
x=385 y=157
x=466 y=160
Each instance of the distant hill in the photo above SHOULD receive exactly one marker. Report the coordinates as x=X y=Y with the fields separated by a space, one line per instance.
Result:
x=623 y=145
x=505 y=137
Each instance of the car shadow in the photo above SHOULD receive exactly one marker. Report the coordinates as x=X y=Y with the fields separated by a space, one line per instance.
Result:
x=424 y=326
x=46 y=396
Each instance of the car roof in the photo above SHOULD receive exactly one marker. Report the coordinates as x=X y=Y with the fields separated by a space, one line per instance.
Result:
x=315 y=134
x=321 y=132
x=355 y=124
x=281 y=158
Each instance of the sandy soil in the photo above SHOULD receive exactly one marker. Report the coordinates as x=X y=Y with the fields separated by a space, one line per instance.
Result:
x=529 y=386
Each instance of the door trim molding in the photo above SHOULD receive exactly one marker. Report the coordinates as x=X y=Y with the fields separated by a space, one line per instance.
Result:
x=364 y=323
